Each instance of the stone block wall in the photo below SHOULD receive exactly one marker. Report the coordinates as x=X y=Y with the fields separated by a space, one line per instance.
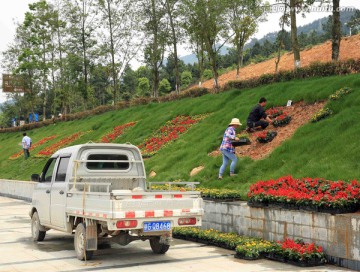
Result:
x=339 y=235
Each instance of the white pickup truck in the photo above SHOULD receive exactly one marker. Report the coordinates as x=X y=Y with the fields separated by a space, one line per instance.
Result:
x=100 y=191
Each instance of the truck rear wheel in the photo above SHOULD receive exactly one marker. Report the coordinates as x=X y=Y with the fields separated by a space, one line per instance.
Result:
x=37 y=234
x=80 y=243
x=157 y=247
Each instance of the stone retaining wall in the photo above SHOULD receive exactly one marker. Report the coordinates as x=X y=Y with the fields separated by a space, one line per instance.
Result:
x=17 y=189
x=339 y=235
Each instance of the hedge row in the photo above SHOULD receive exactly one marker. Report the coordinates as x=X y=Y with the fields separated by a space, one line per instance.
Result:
x=316 y=69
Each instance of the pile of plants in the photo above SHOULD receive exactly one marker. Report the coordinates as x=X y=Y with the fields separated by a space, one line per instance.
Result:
x=168 y=133
x=340 y=93
x=249 y=248
x=274 y=112
x=323 y=113
x=281 y=120
x=265 y=136
x=314 y=194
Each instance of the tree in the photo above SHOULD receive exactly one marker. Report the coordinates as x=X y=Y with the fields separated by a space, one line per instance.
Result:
x=293 y=7
x=164 y=86
x=206 y=23
x=354 y=23
x=244 y=16
x=143 y=86
x=156 y=33
x=81 y=18
x=186 y=79
x=40 y=20
x=121 y=36
x=173 y=14
x=336 y=31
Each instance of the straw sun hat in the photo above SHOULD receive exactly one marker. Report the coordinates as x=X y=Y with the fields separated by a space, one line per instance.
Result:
x=235 y=121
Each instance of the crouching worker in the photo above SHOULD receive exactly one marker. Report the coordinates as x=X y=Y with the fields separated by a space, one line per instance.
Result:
x=258 y=116
x=227 y=149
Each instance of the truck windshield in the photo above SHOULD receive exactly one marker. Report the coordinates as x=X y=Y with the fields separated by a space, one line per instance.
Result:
x=106 y=162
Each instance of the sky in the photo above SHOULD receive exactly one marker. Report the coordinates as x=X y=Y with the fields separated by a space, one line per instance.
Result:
x=14 y=11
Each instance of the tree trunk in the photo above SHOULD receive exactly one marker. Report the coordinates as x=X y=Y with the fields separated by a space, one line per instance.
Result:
x=112 y=51
x=174 y=41
x=83 y=40
x=336 y=31
x=154 y=58
x=294 y=39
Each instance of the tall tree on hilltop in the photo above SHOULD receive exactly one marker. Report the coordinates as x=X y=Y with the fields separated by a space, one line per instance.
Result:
x=207 y=21
x=244 y=16
x=40 y=21
x=81 y=18
x=172 y=10
x=294 y=7
x=121 y=36
x=155 y=28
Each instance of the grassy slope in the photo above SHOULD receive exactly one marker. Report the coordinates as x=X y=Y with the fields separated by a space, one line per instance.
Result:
x=326 y=149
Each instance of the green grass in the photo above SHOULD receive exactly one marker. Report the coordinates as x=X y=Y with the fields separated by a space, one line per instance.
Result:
x=328 y=149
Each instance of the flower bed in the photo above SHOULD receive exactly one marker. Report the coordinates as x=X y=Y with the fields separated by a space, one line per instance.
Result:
x=265 y=136
x=297 y=253
x=253 y=250
x=48 y=151
x=323 y=113
x=249 y=248
x=213 y=237
x=310 y=194
x=340 y=93
x=168 y=133
x=117 y=131
x=39 y=143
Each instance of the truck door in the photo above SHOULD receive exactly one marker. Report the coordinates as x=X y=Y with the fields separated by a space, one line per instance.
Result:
x=58 y=193
x=43 y=192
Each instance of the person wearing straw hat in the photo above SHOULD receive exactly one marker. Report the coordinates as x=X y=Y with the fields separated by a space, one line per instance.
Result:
x=227 y=149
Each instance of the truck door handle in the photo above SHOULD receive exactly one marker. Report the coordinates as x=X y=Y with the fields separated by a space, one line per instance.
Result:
x=61 y=192
x=48 y=191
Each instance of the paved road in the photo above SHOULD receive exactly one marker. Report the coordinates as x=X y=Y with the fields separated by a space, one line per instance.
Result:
x=56 y=253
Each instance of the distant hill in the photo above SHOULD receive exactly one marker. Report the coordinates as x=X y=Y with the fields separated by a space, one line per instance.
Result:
x=191 y=59
x=316 y=25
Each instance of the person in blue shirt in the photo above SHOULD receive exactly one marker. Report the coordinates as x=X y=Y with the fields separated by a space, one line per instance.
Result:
x=258 y=116
x=227 y=149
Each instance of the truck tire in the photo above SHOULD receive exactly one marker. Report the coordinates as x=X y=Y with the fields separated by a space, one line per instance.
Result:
x=80 y=243
x=157 y=247
x=37 y=234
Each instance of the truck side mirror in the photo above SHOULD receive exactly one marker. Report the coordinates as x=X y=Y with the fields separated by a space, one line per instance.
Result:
x=35 y=177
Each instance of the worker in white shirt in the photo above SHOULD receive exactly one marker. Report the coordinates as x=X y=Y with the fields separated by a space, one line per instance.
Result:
x=26 y=144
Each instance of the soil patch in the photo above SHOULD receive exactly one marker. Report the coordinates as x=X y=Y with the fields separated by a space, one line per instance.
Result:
x=349 y=49
x=300 y=113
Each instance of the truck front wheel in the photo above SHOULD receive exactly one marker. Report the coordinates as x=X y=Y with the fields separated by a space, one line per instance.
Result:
x=37 y=234
x=157 y=247
x=80 y=243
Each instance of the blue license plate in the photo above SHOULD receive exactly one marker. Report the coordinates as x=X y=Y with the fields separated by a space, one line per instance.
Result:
x=157 y=226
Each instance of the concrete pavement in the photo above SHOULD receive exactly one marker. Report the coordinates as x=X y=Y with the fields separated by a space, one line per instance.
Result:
x=56 y=253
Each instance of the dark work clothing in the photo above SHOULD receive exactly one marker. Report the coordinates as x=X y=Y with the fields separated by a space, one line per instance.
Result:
x=255 y=116
x=261 y=123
